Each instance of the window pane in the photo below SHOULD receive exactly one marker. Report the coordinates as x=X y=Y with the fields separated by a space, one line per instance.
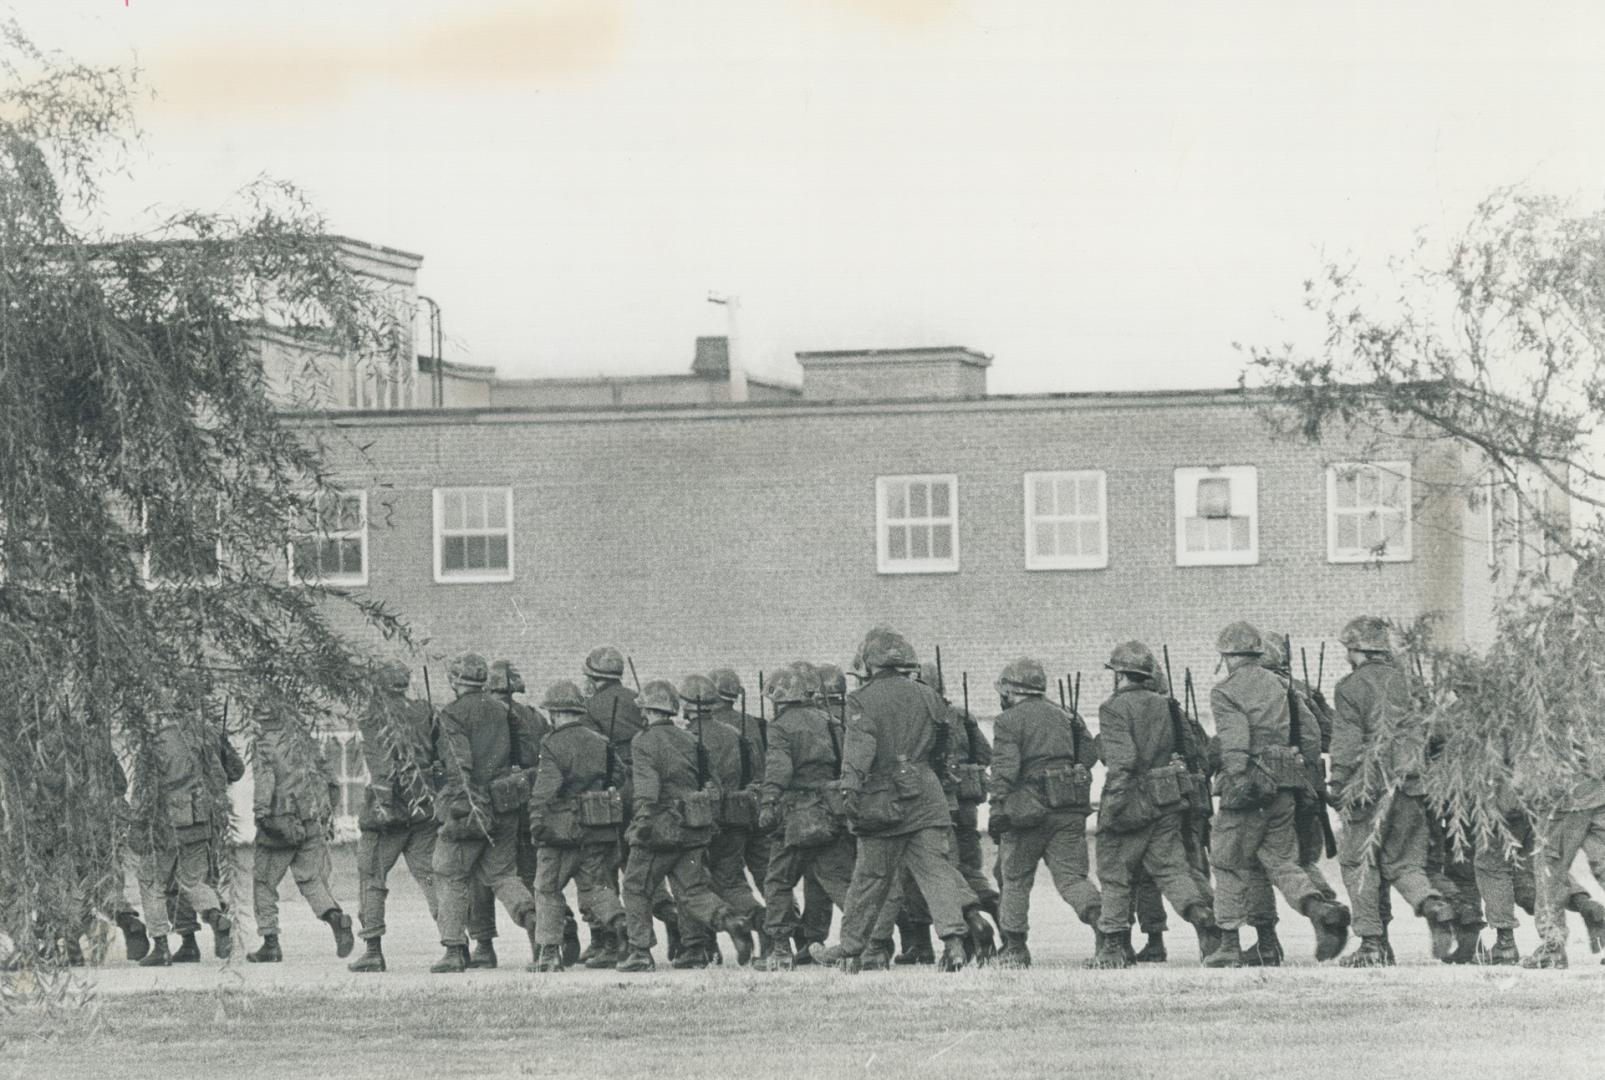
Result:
x=1368 y=487
x=1043 y=502
x=1370 y=532
x=350 y=557
x=1239 y=540
x=897 y=542
x=919 y=541
x=306 y=561
x=475 y=547
x=941 y=498
x=942 y=542
x=351 y=513
x=919 y=500
x=1044 y=535
x=1091 y=538
x=1343 y=489
x=896 y=501
x=497 y=557
x=1089 y=495
x=1394 y=495
x=496 y=509
x=453 y=555
x=1214 y=497
x=1348 y=532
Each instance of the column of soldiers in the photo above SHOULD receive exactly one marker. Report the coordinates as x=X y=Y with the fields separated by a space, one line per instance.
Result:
x=674 y=806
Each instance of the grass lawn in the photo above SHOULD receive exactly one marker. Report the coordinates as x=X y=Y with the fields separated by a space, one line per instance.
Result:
x=310 y=1018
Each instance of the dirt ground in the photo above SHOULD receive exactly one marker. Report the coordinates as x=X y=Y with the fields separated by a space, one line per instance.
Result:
x=309 y=1017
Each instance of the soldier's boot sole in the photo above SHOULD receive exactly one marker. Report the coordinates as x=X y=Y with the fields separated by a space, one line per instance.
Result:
x=265 y=955
x=158 y=955
x=136 y=943
x=340 y=925
x=371 y=961
x=1331 y=932
x=483 y=956
x=1153 y=952
x=980 y=939
x=741 y=938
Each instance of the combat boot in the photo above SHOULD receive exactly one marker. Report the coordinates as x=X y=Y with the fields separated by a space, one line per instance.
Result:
x=833 y=956
x=73 y=952
x=548 y=959
x=222 y=932
x=916 y=943
x=269 y=953
x=1153 y=952
x=605 y=950
x=953 y=953
x=741 y=937
x=1331 y=922
x=1266 y=950
x=1387 y=947
x=980 y=937
x=1440 y=918
x=372 y=958
x=136 y=943
x=1593 y=914
x=158 y=955
x=340 y=923
x=455 y=960
x=571 y=940
x=1371 y=953
x=1547 y=956
x=189 y=950
x=484 y=954
x=1203 y=923
x=804 y=956
x=1504 y=953
x=1015 y=954
x=1228 y=954
x=878 y=956
x=1468 y=937
x=592 y=947
x=1112 y=951
x=671 y=931
x=780 y=956
x=637 y=960
x=690 y=958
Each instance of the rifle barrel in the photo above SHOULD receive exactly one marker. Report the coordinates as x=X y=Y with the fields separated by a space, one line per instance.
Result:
x=633 y=676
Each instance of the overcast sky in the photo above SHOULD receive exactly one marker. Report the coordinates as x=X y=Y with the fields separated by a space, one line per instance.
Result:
x=1100 y=195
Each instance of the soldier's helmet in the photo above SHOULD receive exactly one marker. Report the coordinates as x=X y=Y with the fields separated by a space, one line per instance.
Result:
x=393 y=675
x=498 y=681
x=659 y=696
x=1023 y=676
x=699 y=692
x=1132 y=658
x=808 y=676
x=1240 y=639
x=1272 y=658
x=563 y=697
x=786 y=688
x=605 y=663
x=727 y=682
x=834 y=681
x=469 y=669
x=931 y=676
x=1367 y=634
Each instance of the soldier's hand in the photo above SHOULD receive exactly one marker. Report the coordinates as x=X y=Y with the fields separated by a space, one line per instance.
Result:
x=768 y=818
x=997 y=825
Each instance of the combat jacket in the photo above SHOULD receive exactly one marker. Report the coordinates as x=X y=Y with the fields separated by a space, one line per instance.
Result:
x=398 y=745
x=1134 y=734
x=476 y=746
x=182 y=783
x=1251 y=716
x=892 y=721
x=752 y=729
x=1376 y=736
x=803 y=743
x=573 y=763
x=599 y=711
x=1032 y=736
x=292 y=775
x=530 y=718
x=969 y=746
x=664 y=767
x=724 y=749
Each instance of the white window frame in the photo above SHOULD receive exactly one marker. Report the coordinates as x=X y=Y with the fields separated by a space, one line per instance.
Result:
x=360 y=534
x=473 y=577
x=884 y=563
x=1404 y=551
x=1034 y=560
x=1184 y=505
x=150 y=579
x=349 y=742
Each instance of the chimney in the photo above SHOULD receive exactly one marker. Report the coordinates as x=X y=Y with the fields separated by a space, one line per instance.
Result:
x=942 y=371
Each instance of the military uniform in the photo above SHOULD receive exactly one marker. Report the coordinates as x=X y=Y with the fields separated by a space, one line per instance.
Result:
x=1576 y=825
x=482 y=899
x=1147 y=901
x=294 y=798
x=726 y=752
x=754 y=844
x=397 y=817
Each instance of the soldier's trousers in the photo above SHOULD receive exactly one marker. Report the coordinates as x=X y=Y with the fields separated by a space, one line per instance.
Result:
x=1452 y=873
x=1061 y=843
x=1148 y=904
x=1253 y=850
x=827 y=868
x=967 y=832
x=308 y=862
x=904 y=900
x=189 y=864
x=818 y=910
x=1505 y=879
x=587 y=866
x=378 y=850
x=1157 y=850
x=1311 y=846
x=728 y=855
x=686 y=873
x=1560 y=837
x=927 y=855
x=1386 y=842
x=493 y=862
x=482 y=898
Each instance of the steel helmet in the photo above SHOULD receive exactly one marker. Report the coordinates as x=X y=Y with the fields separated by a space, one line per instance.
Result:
x=1132 y=658
x=393 y=675
x=1023 y=676
x=700 y=692
x=1240 y=639
x=834 y=681
x=786 y=688
x=885 y=648
x=808 y=676
x=605 y=663
x=659 y=696
x=501 y=677
x=468 y=669
x=931 y=676
x=727 y=682
x=563 y=697
x=1273 y=657
x=1367 y=634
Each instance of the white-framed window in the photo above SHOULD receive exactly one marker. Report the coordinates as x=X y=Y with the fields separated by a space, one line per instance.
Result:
x=1217 y=516
x=473 y=534
x=343 y=751
x=1368 y=512
x=168 y=562
x=917 y=524
x=1066 y=521
x=1520 y=519
x=332 y=547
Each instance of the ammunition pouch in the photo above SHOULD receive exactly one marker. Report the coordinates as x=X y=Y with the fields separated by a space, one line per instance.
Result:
x=181 y=809
x=1127 y=808
x=972 y=786
x=285 y=830
x=463 y=829
x=509 y=792
x=1067 y=787
x=835 y=797
x=1286 y=766
x=1024 y=807
x=601 y=809
x=739 y=810
x=666 y=830
x=876 y=806
x=700 y=809
x=560 y=825
x=1199 y=801
x=809 y=821
x=1252 y=789
x=1167 y=786
x=380 y=809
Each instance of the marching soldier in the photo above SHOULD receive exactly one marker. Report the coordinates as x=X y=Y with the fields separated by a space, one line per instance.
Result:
x=575 y=812
x=969 y=750
x=1575 y=826
x=818 y=911
x=180 y=789
x=1041 y=796
x=397 y=817
x=897 y=735
x=811 y=842
x=1377 y=757
x=673 y=821
x=487 y=759
x=755 y=842
x=1140 y=814
x=612 y=711
x=295 y=795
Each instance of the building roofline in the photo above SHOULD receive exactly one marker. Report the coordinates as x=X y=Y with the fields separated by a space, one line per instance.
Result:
x=899 y=355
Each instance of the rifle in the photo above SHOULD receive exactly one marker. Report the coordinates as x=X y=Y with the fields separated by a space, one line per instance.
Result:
x=1075 y=696
x=1295 y=739
x=1062 y=703
x=941 y=683
x=763 y=721
x=702 y=756
x=612 y=755
x=969 y=721
x=437 y=768
x=633 y=676
x=1320 y=668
